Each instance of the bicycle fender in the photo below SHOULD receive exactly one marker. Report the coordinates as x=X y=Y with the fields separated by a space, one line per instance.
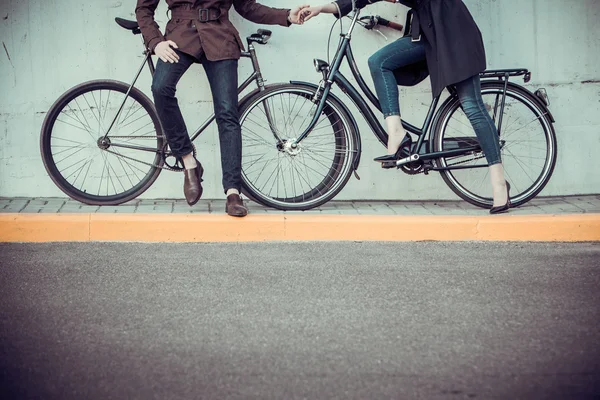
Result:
x=531 y=95
x=252 y=93
x=356 y=161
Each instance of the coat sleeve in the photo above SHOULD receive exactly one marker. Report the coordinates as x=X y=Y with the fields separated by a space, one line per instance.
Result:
x=144 y=14
x=260 y=14
x=345 y=6
x=408 y=3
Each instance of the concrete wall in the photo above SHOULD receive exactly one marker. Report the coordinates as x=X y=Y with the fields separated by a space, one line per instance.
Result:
x=49 y=46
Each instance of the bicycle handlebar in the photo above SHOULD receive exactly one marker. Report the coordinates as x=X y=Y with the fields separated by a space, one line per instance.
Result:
x=371 y=21
x=389 y=24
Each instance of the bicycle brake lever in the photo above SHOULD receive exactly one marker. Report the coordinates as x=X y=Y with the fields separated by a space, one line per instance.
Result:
x=378 y=31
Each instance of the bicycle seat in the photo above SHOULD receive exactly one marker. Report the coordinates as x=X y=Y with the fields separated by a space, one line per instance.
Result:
x=261 y=36
x=129 y=25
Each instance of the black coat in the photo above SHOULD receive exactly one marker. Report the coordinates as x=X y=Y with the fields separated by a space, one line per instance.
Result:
x=453 y=42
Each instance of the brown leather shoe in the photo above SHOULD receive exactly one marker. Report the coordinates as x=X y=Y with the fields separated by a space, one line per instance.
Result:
x=192 y=185
x=235 y=206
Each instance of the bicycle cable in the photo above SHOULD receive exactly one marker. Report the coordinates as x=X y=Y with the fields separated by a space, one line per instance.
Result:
x=329 y=39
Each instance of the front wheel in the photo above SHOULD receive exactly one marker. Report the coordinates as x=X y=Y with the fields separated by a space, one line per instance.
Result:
x=95 y=168
x=277 y=172
x=527 y=142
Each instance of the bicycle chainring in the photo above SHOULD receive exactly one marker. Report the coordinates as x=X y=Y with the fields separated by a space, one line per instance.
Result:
x=171 y=162
x=412 y=168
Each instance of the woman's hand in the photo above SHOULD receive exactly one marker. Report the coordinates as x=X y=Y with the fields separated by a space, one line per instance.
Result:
x=164 y=50
x=310 y=12
x=295 y=14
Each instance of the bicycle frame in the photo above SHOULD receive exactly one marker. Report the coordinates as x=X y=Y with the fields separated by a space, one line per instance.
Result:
x=256 y=75
x=335 y=76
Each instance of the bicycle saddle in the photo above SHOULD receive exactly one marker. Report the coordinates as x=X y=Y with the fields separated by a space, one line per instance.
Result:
x=129 y=25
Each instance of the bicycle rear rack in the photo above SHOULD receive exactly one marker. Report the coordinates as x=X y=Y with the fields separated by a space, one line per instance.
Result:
x=506 y=73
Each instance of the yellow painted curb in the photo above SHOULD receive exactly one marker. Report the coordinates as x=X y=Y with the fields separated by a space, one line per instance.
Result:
x=185 y=228
x=44 y=227
x=295 y=227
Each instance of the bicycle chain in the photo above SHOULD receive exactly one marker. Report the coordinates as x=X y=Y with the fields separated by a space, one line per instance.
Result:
x=165 y=166
x=458 y=163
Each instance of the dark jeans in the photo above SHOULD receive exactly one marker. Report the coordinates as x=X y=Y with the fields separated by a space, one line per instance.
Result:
x=223 y=80
x=405 y=52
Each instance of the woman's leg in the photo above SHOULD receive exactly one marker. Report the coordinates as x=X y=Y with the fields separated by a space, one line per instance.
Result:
x=382 y=64
x=164 y=85
x=469 y=93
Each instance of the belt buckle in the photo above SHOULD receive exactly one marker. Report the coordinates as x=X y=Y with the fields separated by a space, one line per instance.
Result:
x=412 y=39
x=202 y=12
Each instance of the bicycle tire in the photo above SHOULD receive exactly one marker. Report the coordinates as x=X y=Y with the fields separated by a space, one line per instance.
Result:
x=339 y=168
x=49 y=135
x=522 y=190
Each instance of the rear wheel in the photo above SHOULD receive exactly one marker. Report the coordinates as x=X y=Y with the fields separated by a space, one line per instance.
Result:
x=527 y=141
x=92 y=168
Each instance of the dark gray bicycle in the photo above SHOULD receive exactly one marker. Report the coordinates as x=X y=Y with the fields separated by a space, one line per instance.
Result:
x=102 y=142
x=302 y=143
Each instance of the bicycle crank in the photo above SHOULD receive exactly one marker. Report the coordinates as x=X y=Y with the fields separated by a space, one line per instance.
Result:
x=401 y=162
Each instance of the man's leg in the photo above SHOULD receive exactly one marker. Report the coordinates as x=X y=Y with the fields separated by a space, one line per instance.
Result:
x=164 y=84
x=223 y=79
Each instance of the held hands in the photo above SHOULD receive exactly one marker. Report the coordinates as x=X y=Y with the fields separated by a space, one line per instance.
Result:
x=309 y=12
x=164 y=50
x=295 y=14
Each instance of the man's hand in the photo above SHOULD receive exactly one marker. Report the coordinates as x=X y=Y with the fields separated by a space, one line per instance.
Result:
x=164 y=50
x=294 y=16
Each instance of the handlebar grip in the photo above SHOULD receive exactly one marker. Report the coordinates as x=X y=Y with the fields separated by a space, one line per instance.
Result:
x=390 y=24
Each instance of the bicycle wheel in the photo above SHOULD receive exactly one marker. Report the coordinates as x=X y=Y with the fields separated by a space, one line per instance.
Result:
x=286 y=178
x=527 y=141
x=97 y=170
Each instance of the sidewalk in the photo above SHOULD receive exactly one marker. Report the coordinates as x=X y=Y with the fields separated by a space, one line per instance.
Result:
x=575 y=218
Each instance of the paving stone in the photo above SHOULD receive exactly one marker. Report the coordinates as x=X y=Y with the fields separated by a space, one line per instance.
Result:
x=553 y=205
x=12 y=206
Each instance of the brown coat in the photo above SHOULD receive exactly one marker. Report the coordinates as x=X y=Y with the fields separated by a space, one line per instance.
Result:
x=218 y=40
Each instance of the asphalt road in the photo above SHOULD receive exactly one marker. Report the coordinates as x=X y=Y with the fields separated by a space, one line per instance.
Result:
x=300 y=320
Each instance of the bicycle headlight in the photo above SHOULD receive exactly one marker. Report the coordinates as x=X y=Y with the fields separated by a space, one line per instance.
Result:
x=320 y=65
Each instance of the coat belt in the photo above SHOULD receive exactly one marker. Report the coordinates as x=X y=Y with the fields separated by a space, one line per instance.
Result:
x=201 y=14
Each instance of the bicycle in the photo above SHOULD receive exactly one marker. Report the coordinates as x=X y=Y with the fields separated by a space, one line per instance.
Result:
x=121 y=122
x=281 y=178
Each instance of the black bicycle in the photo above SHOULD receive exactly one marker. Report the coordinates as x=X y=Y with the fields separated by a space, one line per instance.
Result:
x=102 y=142
x=302 y=143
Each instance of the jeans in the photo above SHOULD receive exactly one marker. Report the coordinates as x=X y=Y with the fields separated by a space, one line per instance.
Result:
x=223 y=80
x=405 y=52
x=469 y=93
x=382 y=64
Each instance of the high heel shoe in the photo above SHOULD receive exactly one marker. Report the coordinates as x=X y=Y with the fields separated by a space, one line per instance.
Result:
x=504 y=208
x=406 y=142
x=390 y=157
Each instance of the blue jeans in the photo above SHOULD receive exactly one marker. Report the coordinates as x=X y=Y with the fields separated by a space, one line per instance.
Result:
x=404 y=52
x=223 y=80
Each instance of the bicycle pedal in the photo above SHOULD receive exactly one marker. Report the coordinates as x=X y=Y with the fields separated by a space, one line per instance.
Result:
x=388 y=164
